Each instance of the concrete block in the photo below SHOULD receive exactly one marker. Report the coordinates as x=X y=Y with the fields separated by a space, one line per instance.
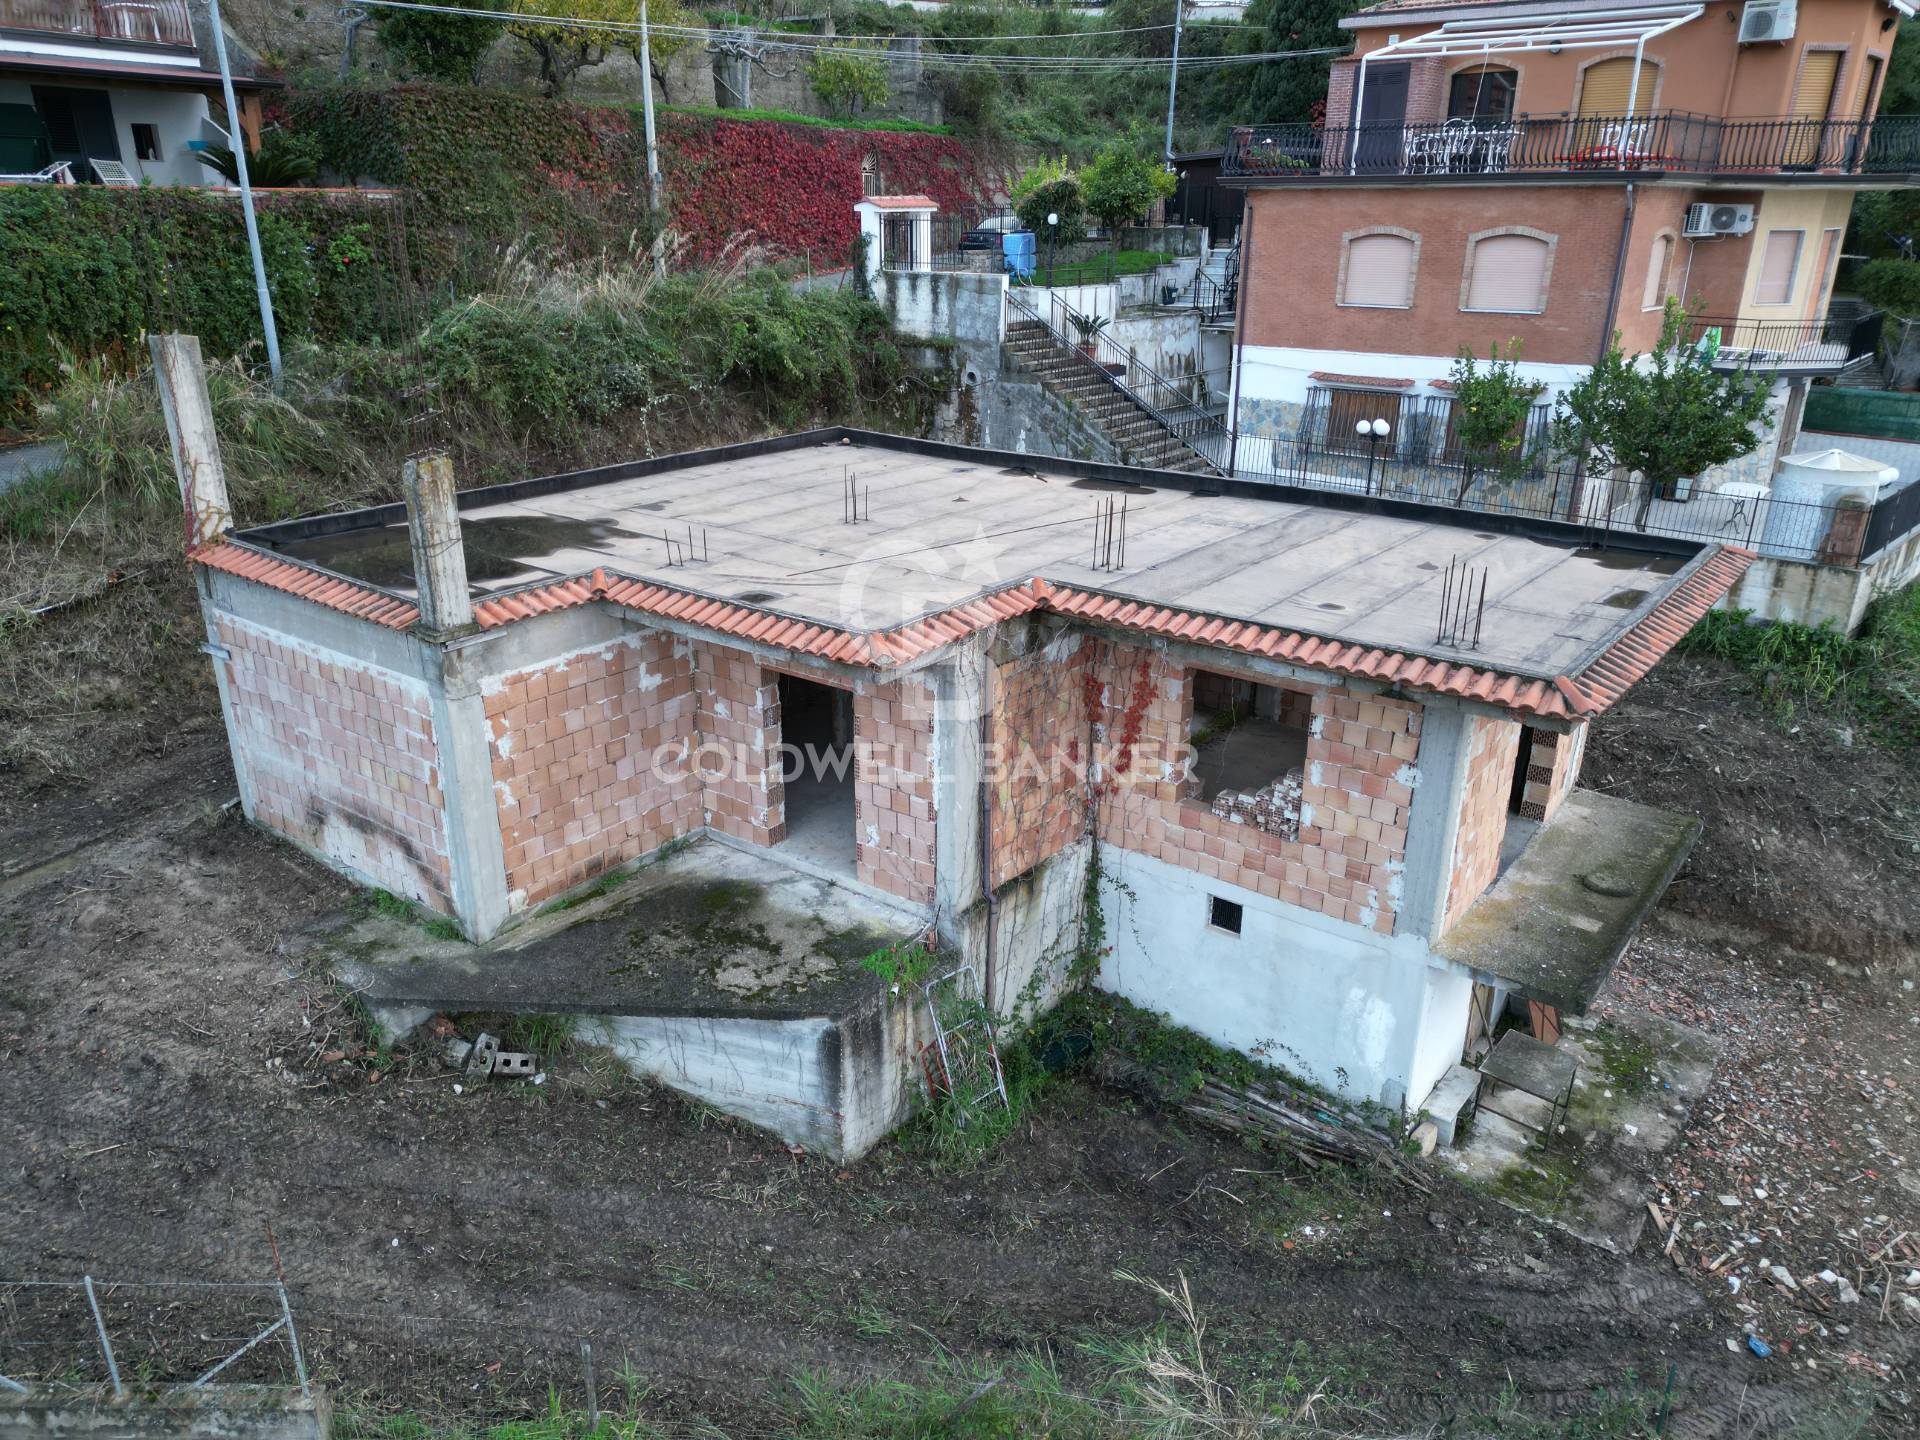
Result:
x=1451 y=1101
x=1427 y=1136
x=228 y=1412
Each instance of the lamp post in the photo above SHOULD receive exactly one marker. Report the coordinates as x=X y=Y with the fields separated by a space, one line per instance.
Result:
x=1053 y=234
x=1373 y=432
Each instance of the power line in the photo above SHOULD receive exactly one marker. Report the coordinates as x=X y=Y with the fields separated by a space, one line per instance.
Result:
x=935 y=59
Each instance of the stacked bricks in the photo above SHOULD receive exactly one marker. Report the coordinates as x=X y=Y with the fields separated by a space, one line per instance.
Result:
x=592 y=762
x=1037 y=741
x=1353 y=832
x=1273 y=808
x=1491 y=751
x=340 y=757
x=893 y=788
x=1553 y=765
x=738 y=716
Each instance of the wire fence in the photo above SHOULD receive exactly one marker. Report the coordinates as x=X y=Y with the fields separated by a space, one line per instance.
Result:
x=169 y=1334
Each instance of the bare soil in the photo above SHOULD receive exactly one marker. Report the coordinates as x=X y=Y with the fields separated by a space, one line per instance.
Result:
x=175 y=1077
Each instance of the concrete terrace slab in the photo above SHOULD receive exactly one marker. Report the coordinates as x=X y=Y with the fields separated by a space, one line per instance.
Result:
x=943 y=528
x=1557 y=919
x=709 y=931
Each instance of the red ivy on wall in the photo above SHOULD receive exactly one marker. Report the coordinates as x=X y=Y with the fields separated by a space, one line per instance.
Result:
x=792 y=188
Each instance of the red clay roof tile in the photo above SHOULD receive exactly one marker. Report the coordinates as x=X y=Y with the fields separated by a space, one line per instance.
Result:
x=1592 y=690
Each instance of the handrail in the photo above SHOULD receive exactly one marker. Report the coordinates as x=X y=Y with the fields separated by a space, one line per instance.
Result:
x=1181 y=428
x=1665 y=141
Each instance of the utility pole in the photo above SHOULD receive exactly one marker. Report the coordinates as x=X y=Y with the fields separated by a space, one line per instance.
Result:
x=1173 y=79
x=239 y=137
x=653 y=153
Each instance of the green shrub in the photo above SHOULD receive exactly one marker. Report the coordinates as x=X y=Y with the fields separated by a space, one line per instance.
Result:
x=1892 y=283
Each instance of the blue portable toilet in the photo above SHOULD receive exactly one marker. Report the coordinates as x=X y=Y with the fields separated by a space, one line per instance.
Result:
x=1019 y=250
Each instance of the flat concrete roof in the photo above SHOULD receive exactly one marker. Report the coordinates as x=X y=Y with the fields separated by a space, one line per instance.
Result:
x=1553 y=925
x=942 y=524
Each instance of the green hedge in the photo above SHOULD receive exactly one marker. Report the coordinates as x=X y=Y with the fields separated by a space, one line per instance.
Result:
x=90 y=269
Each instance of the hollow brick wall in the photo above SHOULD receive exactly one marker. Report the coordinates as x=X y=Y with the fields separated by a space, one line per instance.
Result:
x=591 y=762
x=1491 y=752
x=341 y=757
x=894 y=819
x=1353 y=833
x=1553 y=768
x=737 y=716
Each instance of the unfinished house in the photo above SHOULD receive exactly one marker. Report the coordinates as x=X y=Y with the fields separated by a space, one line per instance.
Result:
x=1321 y=751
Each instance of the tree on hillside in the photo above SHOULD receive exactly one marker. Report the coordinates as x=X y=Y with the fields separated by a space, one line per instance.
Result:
x=848 y=78
x=662 y=46
x=1664 y=415
x=1285 y=90
x=438 y=47
x=1123 y=182
x=1051 y=188
x=563 y=50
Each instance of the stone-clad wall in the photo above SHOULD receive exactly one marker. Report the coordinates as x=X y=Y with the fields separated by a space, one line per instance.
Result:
x=592 y=763
x=341 y=757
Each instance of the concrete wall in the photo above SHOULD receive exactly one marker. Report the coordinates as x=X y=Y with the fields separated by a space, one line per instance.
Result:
x=1166 y=340
x=219 y=1412
x=1775 y=589
x=1361 y=1014
x=945 y=304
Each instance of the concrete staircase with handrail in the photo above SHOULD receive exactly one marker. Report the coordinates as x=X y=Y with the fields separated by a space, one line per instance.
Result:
x=1140 y=436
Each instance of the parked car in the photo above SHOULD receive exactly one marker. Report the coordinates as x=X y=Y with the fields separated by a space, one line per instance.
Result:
x=988 y=233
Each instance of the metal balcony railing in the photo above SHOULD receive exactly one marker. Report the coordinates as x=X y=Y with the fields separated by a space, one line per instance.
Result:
x=151 y=22
x=1660 y=142
x=1825 y=345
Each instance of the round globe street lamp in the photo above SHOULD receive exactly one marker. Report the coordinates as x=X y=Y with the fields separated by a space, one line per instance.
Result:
x=1053 y=234
x=1373 y=432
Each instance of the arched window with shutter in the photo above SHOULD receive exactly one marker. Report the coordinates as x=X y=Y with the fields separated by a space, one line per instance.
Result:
x=1508 y=271
x=1377 y=268
x=1659 y=271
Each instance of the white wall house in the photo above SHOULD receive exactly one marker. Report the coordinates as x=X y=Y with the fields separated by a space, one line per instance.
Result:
x=125 y=83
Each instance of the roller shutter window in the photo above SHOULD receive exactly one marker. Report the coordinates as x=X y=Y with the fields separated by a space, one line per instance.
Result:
x=1379 y=271
x=1658 y=267
x=1812 y=101
x=1509 y=275
x=1347 y=408
x=1778 y=262
x=1606 y=88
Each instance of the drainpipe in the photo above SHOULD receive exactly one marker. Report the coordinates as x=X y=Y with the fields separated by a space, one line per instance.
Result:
x=988 y=977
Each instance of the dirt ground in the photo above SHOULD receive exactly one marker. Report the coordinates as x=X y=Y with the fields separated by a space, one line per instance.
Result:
x=174 y=1079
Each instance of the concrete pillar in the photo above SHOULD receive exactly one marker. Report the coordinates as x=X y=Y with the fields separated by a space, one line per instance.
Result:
x=439 y=559
x=1446 y=733
x=870 y=231
x=182 y=380
x=923 y=241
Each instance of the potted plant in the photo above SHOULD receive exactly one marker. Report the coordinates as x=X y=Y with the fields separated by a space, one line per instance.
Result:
x=1088 y=327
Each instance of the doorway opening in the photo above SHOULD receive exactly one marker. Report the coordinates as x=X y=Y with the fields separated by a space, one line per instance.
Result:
x=1521 y=825
x=816 y=771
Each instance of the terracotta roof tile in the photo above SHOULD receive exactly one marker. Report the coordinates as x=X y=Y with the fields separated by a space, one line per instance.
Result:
x=902 y=202
x=1369 y=382
x=1592 y=690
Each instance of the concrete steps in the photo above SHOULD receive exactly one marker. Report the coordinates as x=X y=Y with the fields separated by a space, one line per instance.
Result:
x=1136 y=433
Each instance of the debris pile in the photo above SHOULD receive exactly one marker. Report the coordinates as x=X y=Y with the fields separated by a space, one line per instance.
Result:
x=485 y=1060
x=1273 y=808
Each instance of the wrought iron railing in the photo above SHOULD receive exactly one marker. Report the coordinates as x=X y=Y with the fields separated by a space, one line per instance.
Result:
x=1214 y=299
x=154 y=22
x=1177 y=405
x=1831 y=343
x=1661 y=141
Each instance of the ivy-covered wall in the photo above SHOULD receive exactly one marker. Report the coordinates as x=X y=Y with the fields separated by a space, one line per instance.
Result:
x=87 y=270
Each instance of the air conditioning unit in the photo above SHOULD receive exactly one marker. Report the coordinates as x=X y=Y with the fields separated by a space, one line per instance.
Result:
x=1704 y=219
x=1765 y=21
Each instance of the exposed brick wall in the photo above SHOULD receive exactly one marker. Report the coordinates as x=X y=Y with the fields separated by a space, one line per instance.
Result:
x=1353 y=832
x=1491 y=754
x=893 y=788
x=1039 y=731
x=340 y=757
x=1294 y=268
x=1553 y=768
x=592 y=762
x=737 y=711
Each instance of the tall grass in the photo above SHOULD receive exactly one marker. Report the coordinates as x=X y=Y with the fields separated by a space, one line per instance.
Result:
x=1871 y=679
